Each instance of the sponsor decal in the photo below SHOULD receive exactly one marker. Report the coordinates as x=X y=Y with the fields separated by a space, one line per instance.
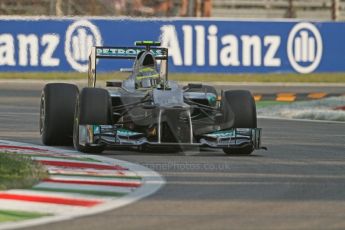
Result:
x=227 y=50
x=200 y=45
x=127 y=133
x=194 y=45
x=33 y=50
x=222 y=134
x=125 y=52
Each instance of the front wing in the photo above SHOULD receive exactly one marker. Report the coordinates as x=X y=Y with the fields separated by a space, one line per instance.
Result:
x=113 y=137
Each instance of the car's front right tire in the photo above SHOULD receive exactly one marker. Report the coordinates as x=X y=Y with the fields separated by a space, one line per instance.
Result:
x=57 y=112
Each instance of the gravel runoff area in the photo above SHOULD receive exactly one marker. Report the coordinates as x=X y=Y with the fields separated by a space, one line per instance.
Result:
x=330 y=109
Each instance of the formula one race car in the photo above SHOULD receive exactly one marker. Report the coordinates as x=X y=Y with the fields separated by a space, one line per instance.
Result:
x=147 y=110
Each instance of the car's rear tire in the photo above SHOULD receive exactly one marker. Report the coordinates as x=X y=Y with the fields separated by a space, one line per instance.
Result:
x=238 y=107
x=57 y=113
x=93 y=108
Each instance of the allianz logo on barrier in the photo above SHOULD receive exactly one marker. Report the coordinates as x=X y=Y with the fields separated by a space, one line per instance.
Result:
x=34 y=50
x=80 y=37
x=304 y=47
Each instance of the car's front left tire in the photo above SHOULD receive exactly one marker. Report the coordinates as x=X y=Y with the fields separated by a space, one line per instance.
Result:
x=93 y=107
x=239 y=109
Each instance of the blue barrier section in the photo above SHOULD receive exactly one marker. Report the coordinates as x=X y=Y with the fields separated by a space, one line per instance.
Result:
x=212 y=46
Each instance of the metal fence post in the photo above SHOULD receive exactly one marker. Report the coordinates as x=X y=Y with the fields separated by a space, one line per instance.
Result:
x=291 y=13
x=69 y=7
x=335 y=10
x=52 y=7
x=191 y=8
x=207 y=8
x=58 y=8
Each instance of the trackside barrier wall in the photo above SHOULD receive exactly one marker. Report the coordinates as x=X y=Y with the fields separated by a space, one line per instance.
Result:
x=223 y=46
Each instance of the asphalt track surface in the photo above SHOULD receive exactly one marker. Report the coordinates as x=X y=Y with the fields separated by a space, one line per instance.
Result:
x=299 y=183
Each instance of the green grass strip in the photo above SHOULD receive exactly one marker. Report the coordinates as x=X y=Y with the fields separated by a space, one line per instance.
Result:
x=210 y=77
x=262 y=104
x=6 y=215
x=99 y=176
x=18 y=171
x=84 y=192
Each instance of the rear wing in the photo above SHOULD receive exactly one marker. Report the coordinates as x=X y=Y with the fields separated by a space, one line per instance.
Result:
x=102 y=52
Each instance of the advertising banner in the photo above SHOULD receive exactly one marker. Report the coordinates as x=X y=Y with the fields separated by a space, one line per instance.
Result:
x=195 y=45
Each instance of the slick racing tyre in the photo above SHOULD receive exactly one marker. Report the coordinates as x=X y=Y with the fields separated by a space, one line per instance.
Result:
x=57 y=113
x=93 y=108
x=238 y=107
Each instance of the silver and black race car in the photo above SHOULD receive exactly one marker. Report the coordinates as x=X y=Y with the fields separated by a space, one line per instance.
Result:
x=147 y=110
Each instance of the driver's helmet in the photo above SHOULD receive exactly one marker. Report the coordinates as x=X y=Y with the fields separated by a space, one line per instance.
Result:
x=147 y=77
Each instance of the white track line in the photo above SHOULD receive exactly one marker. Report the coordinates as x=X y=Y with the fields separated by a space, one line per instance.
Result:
x=65 y=160
x=82 y=172
x=84 y=187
